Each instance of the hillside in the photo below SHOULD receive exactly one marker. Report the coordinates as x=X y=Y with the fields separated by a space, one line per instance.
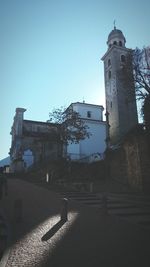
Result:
x=5 y=161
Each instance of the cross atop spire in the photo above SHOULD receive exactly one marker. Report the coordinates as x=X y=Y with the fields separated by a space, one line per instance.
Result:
x=114 y=24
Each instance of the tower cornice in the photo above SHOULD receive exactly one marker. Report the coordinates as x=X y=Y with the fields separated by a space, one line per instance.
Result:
x=115 y=47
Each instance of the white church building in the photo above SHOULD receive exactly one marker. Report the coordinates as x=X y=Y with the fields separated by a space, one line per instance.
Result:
x=92 y=148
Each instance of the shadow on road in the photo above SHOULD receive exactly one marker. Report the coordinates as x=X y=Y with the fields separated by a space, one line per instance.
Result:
x=53 y=230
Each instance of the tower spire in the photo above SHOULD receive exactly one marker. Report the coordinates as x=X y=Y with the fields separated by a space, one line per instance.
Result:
x=114 y=24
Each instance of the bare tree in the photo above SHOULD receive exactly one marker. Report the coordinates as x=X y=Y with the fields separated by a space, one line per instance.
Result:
x=72 y=128
x=146 y=116
x=135 y=73
x=141 y=72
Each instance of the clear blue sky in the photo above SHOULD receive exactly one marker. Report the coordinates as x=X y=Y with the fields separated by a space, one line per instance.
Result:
x=50 y=53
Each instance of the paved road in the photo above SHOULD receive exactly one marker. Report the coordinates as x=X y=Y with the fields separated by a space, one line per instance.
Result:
x=89 y=238
x=132 y=207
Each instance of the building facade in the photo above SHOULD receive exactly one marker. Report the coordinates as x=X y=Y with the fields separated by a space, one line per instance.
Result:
x=94 y=146
x=121 y=110
x=33 y=142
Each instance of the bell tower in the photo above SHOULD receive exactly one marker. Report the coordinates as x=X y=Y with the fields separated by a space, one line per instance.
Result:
x=121 y=107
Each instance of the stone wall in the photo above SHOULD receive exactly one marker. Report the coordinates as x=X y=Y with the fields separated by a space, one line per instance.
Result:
x=130 y=163
x=133 y=162
x=116 y=165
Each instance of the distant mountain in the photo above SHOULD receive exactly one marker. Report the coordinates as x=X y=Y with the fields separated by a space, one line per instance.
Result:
x=5 y=161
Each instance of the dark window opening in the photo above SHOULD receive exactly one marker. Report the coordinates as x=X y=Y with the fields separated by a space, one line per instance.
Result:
x=109 y=62
x=115 y=43
x=89 y=114
x=109 y=74
x=123 y=58
x=120 y=43
x=111 y=104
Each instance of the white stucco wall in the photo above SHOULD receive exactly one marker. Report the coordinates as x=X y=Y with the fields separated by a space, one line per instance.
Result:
x=83 y=108
x=97 y=128
x=73 y=151
x=96 y=142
